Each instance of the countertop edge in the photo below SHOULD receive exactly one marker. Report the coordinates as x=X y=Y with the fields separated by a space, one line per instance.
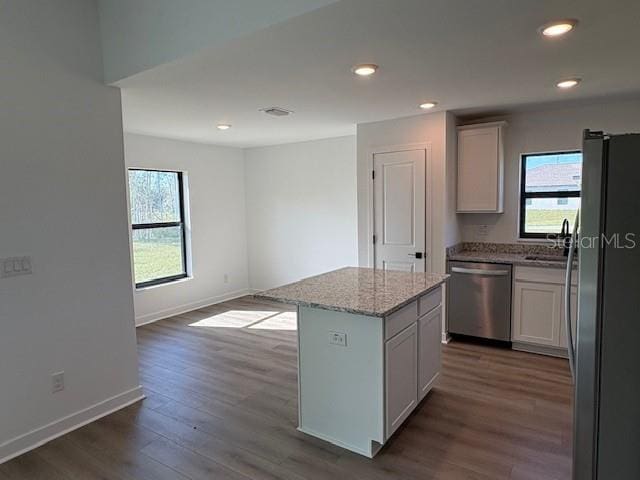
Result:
x=386 y=313
x=519 y=262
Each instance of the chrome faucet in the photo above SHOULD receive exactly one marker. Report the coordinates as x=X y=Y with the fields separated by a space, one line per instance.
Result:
x=565 y=235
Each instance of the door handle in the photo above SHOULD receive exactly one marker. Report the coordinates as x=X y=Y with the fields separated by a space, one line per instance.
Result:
x=573 y=243
x=416 y=255
x=478 y=271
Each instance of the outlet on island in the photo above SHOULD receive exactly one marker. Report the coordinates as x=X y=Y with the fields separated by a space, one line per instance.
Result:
x=338 y=338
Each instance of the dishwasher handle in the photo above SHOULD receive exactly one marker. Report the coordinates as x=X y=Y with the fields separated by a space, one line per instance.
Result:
x=478 y=271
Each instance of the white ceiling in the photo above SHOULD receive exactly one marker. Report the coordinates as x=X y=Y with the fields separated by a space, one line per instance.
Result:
x=469 y=55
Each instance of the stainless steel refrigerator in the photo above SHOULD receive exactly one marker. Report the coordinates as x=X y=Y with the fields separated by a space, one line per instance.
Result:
x=607 y=353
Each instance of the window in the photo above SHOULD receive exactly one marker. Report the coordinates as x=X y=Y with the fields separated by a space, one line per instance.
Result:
x=157 y=220
x=549 y=192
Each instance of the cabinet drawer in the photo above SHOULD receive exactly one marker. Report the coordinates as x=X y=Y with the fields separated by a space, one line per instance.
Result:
x=544 y=275
x=429 y=301
x=398 y=321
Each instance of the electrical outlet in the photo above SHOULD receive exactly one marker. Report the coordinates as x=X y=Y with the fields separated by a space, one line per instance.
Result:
x=57 y=382
x=14 y=266
x=482 y=232
x=226 y=278
x=338 y=338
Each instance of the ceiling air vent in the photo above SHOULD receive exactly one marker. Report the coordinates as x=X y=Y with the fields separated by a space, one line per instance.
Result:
x=276 y=111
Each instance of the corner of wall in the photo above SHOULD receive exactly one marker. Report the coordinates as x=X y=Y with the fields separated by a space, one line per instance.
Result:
x=453 y=233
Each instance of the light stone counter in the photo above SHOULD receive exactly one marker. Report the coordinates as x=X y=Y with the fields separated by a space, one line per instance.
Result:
x=550 y=261
x=526 y=255
x=362 y=291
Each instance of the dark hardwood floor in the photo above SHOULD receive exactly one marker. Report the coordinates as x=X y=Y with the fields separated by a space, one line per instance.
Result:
x=221 y=403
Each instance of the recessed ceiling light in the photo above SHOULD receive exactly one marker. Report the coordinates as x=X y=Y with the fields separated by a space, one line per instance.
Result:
x=428 y=105
x=558 y=27
x=365 y=69
x=568 y=83
x=223 y=126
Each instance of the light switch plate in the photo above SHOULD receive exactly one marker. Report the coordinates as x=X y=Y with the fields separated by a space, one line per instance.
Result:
x=14 y=266
x=338 y=338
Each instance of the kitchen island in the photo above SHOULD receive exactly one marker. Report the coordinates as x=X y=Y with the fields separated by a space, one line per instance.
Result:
x=368 y=351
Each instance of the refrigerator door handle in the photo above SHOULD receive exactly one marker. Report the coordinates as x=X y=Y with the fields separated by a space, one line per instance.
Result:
x=567 y=298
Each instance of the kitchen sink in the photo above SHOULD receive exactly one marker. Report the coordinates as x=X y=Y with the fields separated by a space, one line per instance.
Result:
x=546 y=258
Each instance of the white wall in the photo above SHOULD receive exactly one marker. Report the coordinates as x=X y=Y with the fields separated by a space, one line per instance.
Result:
x=141 y=34
x=551 y=129
x=215 y=177
x=301 y=210
x=422 y=129
x=62 y=201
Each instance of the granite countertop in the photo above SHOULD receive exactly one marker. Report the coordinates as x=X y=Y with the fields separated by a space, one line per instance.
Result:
x=362 y=291
x=510 y=254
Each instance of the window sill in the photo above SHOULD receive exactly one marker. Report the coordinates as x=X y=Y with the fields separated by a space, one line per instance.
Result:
x=173 y=282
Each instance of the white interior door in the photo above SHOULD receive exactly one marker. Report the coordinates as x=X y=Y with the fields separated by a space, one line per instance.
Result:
x=399 y=210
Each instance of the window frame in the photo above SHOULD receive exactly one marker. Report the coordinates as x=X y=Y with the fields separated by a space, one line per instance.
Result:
x=524 y=195
x=148 y=226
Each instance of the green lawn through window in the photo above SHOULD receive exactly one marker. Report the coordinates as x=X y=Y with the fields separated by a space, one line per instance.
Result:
x=155 y=260
x=548 y=220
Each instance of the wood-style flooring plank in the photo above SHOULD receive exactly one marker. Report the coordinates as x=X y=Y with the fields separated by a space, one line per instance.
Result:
x=31 y=466
x=221 y=385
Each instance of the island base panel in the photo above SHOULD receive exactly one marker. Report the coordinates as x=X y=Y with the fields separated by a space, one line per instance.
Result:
x=341 y=396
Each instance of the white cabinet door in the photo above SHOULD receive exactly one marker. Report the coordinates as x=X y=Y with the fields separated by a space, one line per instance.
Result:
x=574 y=316
x=480 y=169
x=537 y=313
x=401 y=358
x=429 y=345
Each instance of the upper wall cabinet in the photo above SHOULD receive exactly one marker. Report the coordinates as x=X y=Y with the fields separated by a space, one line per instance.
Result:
x=481 y=168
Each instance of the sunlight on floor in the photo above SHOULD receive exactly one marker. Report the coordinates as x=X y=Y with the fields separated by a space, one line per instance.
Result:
x=251 y=319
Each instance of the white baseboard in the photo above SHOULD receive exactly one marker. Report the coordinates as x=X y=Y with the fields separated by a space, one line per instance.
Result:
x=362 y=451
x=35 y=438
x=540 y=349
x=188 y=307
x=446 y=338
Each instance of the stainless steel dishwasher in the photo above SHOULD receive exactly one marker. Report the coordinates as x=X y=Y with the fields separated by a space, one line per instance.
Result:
x=479 y=300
